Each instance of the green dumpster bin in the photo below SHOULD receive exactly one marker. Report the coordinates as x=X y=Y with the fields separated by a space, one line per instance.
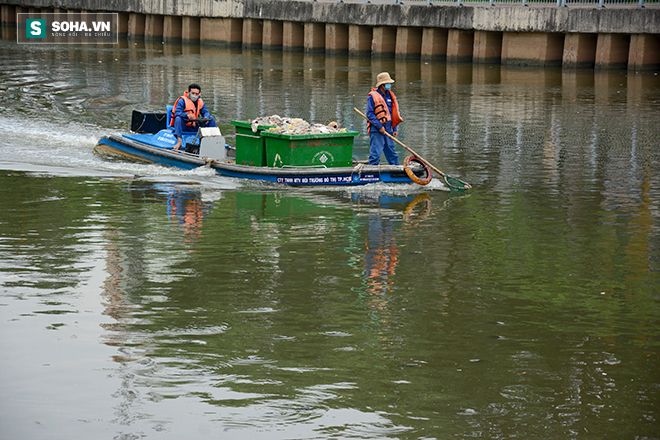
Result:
x=330 y=150
x=250 y=146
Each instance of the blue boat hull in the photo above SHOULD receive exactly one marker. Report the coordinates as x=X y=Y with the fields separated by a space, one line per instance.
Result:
x=148 y=148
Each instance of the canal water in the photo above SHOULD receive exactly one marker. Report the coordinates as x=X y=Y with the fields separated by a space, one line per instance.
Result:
x=142 y=302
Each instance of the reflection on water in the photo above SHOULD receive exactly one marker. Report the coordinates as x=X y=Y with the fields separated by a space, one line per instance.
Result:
x=185 y=208
x=181 y=304
x=174 y=353
x=381 y=256
x=323 y=314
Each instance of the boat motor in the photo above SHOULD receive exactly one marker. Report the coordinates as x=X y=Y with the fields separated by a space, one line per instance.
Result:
x=212 y=143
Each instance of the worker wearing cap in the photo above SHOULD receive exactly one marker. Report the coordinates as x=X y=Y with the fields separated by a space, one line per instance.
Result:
x=383 y=114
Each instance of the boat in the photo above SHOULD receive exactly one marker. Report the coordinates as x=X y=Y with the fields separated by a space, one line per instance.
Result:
x=325 y=163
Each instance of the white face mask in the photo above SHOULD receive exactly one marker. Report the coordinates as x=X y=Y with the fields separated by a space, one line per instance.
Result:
x=193 y=98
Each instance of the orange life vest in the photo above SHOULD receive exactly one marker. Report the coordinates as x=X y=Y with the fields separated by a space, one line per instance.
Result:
x=189 y=108
x=382 y=112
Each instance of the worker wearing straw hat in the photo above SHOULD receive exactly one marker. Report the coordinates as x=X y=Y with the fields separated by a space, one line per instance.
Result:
x=383 y=115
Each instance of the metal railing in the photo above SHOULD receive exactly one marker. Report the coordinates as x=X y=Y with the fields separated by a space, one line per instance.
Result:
x=557 y=3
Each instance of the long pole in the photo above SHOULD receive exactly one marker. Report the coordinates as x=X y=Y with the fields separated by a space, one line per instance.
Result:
x=462 y=186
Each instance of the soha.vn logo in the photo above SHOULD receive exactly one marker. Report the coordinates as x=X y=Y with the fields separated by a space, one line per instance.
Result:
x=35 y=28
x=68 y=28
x=80 y=26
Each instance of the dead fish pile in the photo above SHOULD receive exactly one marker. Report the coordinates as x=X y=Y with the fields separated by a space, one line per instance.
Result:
x=293 y=126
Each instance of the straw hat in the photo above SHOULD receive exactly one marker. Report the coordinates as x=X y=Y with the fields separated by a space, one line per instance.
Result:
x=383 y=78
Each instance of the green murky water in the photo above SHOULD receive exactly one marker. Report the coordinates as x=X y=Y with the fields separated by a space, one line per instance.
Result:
x=138 y=301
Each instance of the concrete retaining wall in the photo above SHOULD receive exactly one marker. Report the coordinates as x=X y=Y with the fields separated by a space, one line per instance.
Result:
x=497 y=18
x=540 y=35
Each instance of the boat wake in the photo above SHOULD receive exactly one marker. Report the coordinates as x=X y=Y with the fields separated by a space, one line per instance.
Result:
x=66 y=148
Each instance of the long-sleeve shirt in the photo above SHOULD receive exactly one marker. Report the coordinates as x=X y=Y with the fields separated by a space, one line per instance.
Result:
x=375 y=123
x=179 y=113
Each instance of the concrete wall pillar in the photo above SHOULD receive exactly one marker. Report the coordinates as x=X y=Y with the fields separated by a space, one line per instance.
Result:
x=136 y=25
x=644 y=53
x=172 y=27
x=71 y=16
x=253 y=33
x=272 y=34
x=8 y=15
x=612 y=51
x=153 y=27
x=221 y=31
x=487 y=47
x=434 y=44
x=460 y=44
x=122 y=25
x=314 y=39
x=190 y=31
x=293 y=36
x=579 y=50
x=359 y=39
x=408 y=42
x=9 y=28
x=532 y=49
x=336 y=38
x=383 y=42
x=4 y=15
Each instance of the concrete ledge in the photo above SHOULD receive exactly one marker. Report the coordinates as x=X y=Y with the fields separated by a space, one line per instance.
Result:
x=499 y=18
x=613 y=38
